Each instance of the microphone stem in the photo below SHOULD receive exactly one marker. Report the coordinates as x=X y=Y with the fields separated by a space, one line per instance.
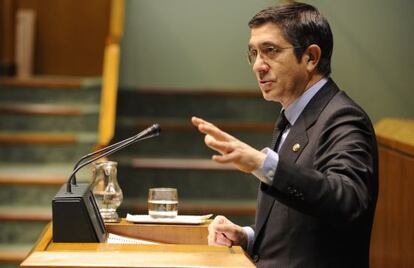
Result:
x=100 y=151
x=125 y=143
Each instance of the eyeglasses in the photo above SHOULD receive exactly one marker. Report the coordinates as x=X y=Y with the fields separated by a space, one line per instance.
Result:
x=268 y=52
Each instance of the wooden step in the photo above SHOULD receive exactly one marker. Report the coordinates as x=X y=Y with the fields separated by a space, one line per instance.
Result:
x=18 y=137
x=46 y=109
x=38 y=109
x=52 y=82
x=14 y=253
x=32 y=179
x=40 y=174
x=37 y=138
x=31 y=175
x=14 y=213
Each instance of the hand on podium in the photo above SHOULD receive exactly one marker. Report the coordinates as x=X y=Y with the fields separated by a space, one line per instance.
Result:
x=223 y=232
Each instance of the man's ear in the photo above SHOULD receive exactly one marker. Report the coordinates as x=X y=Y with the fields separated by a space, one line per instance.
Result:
x=312 y=56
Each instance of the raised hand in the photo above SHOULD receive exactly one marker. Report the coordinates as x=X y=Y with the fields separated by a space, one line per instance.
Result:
x=231 y=150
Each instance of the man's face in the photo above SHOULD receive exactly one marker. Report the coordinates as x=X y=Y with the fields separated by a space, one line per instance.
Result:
x=281 y=77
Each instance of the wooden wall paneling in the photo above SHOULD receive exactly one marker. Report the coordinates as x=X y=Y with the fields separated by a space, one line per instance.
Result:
x=70 y=36
x=408 y=212
x=392 y=243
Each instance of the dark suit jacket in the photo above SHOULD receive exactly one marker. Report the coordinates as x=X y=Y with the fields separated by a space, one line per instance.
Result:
x=319 y=210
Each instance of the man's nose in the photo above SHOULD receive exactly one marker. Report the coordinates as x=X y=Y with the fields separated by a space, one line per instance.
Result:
x=260 y=64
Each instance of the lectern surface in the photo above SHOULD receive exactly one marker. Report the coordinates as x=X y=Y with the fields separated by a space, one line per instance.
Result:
x=49 y=254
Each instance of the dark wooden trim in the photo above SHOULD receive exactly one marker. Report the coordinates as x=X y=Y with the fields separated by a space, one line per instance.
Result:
x=37 y=138
x=50 y=82
x=24 y=214
x=39 y=109
x=32 y=179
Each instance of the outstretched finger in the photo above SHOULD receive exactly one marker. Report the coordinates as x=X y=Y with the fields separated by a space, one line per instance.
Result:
x=209 y=128
x=196 y=121
x=223 y=147
x=226 y=158
x=215 y=132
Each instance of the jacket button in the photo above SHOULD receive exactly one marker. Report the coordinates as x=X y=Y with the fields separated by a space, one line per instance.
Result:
x=256 y=258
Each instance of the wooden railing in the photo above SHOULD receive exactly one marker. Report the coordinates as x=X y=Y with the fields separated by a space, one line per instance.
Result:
x=110 y=74
x=392 y=243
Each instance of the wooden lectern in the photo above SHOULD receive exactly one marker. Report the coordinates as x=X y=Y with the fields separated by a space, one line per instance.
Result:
x=392 y=243
x=183 y=246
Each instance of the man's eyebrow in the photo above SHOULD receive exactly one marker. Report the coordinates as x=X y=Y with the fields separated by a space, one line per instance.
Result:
x=268 y=43
x=264 y=44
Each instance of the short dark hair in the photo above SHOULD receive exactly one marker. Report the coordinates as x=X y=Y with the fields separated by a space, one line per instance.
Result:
x=302 y=25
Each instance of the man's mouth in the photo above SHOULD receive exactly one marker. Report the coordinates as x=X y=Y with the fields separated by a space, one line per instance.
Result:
x=266 y=82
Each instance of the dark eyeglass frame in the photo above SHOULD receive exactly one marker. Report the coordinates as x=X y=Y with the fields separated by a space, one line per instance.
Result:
x=269 y=52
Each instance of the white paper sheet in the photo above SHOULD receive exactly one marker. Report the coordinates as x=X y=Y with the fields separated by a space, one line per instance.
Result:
x=180 y=219
x=119 y=239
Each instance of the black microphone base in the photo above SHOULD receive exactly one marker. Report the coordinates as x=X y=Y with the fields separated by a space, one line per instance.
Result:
x=76 y=216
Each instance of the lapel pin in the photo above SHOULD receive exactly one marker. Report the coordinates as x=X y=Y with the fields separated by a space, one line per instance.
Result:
x=296 y=147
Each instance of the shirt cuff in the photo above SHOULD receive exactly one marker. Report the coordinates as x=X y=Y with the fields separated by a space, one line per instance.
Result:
x=267 y=171
x=250 y=237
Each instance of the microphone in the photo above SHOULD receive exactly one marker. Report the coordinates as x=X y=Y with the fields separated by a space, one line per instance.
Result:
x=147 y=133
x=75 y=214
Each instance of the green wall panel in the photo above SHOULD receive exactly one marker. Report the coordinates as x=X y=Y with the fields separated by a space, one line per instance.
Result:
x=201 y=44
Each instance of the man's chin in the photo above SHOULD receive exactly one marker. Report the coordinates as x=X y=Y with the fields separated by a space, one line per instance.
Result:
x=266 y=95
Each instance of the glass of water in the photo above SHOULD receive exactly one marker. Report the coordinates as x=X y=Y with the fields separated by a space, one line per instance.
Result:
x=162 y=202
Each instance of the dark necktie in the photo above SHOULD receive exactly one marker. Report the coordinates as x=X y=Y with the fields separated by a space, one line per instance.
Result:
x=280 y=126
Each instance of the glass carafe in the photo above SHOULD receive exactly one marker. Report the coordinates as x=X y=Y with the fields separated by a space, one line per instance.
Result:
x=106 y=190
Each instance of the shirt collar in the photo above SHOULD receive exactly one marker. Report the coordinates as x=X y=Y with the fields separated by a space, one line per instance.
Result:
x=293 y=111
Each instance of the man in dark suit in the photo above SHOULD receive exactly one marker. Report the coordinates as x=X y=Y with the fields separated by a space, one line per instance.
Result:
x=319 y=179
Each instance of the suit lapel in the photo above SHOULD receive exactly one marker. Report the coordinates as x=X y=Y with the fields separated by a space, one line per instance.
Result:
x=264 y=201
x=297 y=135
x=317 y=104
x=297 y=139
